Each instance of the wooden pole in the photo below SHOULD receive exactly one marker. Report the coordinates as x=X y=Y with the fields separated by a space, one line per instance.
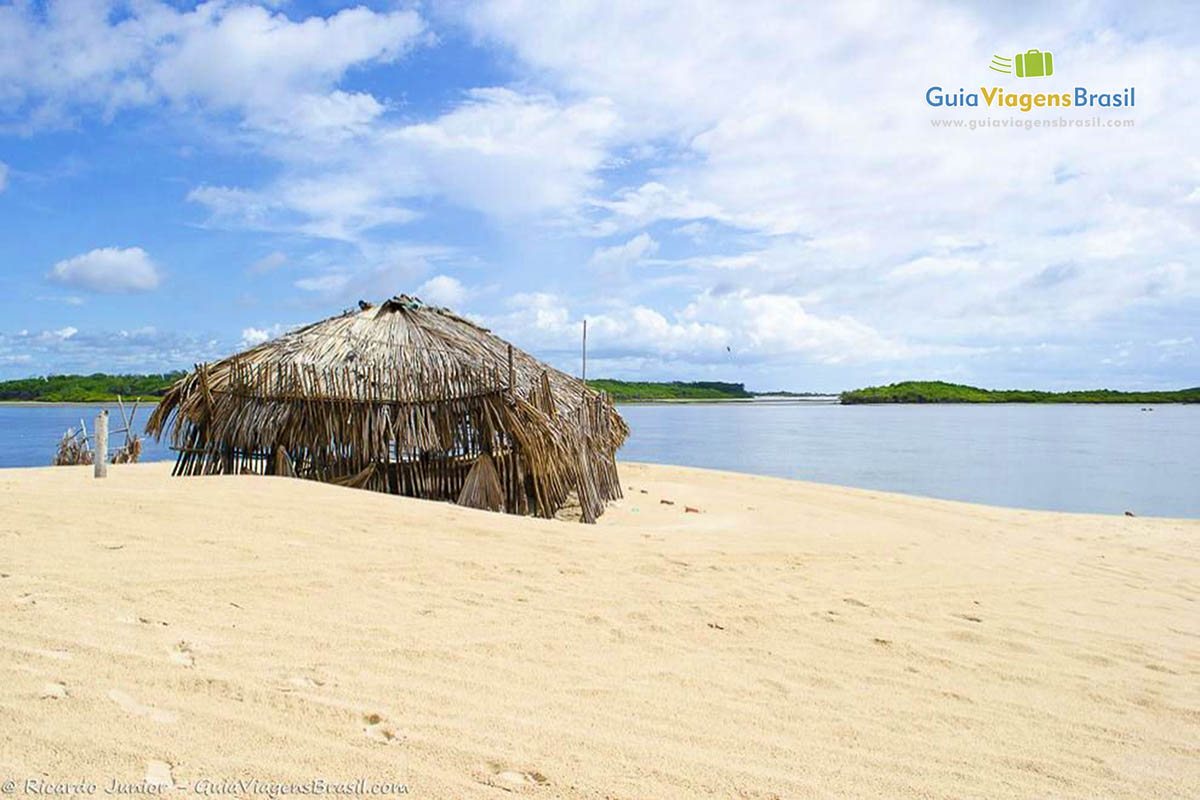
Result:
x=584 y=377
x=125 y=419
x=101 y=453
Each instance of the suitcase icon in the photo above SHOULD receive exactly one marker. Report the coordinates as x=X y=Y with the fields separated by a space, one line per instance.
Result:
x=1034 y=64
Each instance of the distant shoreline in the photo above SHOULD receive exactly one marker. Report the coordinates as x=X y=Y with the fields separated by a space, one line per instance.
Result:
x=769 y=400
x=935 y=392
x=814 y=400
x=100 y=388
x=80 y=403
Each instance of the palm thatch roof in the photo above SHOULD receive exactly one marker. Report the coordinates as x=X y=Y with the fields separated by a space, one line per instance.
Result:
x=402 y=398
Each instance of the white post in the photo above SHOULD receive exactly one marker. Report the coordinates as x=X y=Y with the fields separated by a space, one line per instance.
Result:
x=101 y=452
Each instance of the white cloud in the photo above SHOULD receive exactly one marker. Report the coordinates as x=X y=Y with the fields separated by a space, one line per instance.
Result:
x=3 y=176
x=75 y=55
x=712 y=329
x=294 y=65
x=472 y=156
x=783 y=157
x=803 y=137
x=109 y=269
x=333 y=205
x=69 y=350
x=632 y=208
x=623 y=255
x=253 y=336
x=499 y=139
x=442 y=290
x=935 y=267
x=324 y=283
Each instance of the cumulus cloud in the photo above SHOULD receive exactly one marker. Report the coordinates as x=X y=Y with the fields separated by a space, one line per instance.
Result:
x=776 y=167
x=253 y=336
x=803 y=140
x=711 y=329
x=295 y=65
x=84 y=55
x=109 y=269
x=72 y=350
x=443 y=290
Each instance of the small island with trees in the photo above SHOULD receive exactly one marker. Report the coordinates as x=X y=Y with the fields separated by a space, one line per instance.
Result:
x=942 y=392
x=95 y=388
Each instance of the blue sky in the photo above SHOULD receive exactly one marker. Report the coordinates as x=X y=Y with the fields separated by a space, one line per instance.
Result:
x=733 y=191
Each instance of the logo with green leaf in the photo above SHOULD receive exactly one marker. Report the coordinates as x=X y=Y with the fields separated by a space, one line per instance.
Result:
x=1030 y=64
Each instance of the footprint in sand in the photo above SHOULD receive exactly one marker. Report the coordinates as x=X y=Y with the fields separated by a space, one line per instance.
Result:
x=181 y=654
x=376 y=729
x=56 y=690
x=131 y=706
x=57 y=655
x=158 y=773
x=304 y=682
x=509 y=777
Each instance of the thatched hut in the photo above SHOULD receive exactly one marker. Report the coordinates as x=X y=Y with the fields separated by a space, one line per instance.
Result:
x=403 y=398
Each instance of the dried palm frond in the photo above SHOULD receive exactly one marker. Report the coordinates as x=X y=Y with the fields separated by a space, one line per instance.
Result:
x=72 y=450
x=129 y=453
x=402 y=398
x=482 y=489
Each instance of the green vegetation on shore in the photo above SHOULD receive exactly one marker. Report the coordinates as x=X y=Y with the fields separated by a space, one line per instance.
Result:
x=942 y=392
x=86 y=388
x=676 y=390
x=100 y=388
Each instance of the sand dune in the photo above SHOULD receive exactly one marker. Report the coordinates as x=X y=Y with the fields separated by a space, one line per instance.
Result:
x=790 y=640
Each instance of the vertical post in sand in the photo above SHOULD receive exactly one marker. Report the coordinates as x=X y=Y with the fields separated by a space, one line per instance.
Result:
x=584 y=376
x=101 y=453
x=511 y=373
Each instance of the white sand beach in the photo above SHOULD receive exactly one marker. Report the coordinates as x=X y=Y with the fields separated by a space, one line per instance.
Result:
x=789 y=640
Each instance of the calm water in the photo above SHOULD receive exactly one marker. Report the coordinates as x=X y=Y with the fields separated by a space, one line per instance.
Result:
x=29 y=434
x=1061 y=457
